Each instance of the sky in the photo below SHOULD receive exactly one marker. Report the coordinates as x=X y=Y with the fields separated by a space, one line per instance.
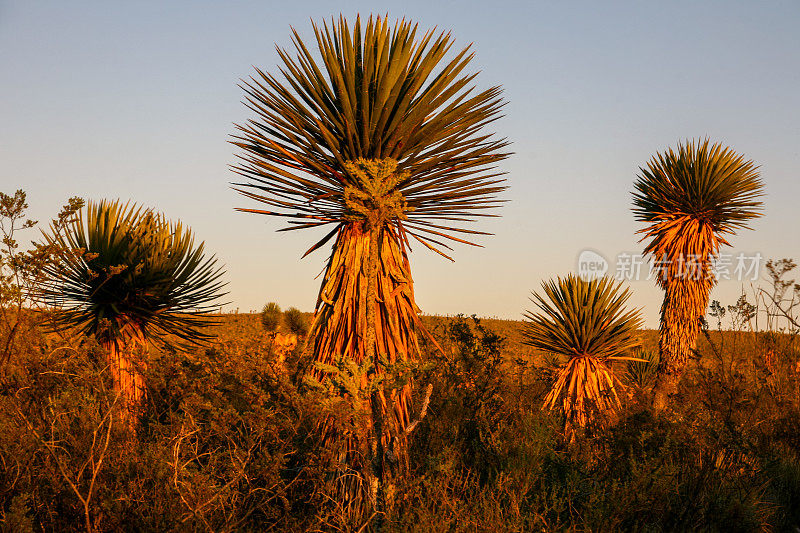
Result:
x=138 y=100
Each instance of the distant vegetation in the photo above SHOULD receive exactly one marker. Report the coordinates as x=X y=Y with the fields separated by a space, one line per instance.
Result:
x=296 y=321
x=271 y=316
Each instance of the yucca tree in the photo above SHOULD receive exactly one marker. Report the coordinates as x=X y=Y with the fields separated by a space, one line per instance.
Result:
x=379 y=137
x=586 y=322
x=690 y=199
x=131 y=278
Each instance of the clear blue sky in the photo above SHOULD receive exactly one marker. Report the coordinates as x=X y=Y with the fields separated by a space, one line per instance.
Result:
x=136 y=100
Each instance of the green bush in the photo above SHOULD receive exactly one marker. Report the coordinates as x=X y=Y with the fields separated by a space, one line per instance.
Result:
x=271 y=316
x=642 y=373
x=296 y=321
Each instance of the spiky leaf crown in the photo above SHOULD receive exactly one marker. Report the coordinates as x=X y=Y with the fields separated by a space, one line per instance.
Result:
x=128 y=269
x=706 y=182
x=580 y=317
x=374 y=93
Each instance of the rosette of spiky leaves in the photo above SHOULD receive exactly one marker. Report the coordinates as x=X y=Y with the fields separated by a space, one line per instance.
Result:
x=586 y=322
x=641 y=372
x=132 y=273
x=372 y=93
x=690 y=198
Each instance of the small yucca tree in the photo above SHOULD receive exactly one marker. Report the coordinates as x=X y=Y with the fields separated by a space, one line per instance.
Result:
x=271 y=317
x=690 y=199
x=586 y=322
x=131 y=278
x=379 y=137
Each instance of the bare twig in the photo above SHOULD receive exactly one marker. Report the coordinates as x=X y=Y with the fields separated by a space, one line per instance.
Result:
x=423 y=411
x=95 y=464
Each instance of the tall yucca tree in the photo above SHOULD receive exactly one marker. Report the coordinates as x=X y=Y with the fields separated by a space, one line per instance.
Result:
x=380 y=137
x=690 y=198
x=586 y=322
x=130 y=278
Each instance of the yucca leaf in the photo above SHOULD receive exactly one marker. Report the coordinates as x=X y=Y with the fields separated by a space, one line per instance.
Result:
x=372 y=92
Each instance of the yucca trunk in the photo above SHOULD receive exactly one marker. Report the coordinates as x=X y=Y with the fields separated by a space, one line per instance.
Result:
x=126 y=375
x=687 y=282
x=684 y=304
x=366 y=310
x=585 y=390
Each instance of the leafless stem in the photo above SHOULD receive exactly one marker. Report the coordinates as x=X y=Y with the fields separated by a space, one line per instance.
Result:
x=95 y=464
x=423 y=411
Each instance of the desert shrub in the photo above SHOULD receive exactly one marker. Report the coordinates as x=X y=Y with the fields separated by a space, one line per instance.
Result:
x=467 y=377
x=721 y=462
x=23 y=272
x=227 y=443
x=271 y=316
x=296 y=321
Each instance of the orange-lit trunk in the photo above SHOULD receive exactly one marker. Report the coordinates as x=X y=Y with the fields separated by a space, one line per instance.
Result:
x=685 y=302
x=126 y=376
x=683 y=245
x=342 y=321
